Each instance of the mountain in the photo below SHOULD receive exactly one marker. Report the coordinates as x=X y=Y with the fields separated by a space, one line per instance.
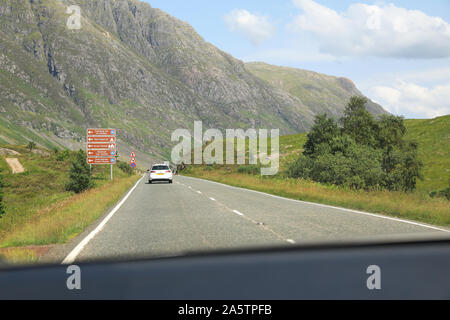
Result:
x=320 y=92
x=139 y=70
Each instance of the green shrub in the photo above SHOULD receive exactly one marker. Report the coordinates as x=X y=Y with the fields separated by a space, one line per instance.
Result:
x=444 y=193
x=2 y=205
x=31 y=145
x=250 y=169
x=80 y=174
x=366 y=153
x=63 y=156
x=125 y=167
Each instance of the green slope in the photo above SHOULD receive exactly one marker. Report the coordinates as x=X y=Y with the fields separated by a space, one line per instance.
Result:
x=320 y=92
x=41 y=185
x=433 y=136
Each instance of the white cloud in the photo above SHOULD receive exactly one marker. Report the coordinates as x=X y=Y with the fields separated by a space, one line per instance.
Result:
x=412 y=100
x=374 y=30
x=255 y=28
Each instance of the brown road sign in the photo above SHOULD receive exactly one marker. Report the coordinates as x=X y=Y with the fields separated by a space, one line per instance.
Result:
x=101 y=153
x=102 y=160
x=101 y=139
x=101 y=132
x=101 y=146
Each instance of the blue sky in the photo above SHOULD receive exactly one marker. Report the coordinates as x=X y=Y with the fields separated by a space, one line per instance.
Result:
x=397 y=52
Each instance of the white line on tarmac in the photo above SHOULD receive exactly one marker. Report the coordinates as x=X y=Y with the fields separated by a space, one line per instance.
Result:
x=328 y=206
x=237 y=212
x=76 y=251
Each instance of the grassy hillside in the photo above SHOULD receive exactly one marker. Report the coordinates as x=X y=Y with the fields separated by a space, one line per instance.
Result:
x=433 y=136
x=38 y=209
x=321 y=92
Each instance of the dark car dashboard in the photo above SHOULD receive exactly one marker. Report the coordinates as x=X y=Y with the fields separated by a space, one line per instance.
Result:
x=410 y=270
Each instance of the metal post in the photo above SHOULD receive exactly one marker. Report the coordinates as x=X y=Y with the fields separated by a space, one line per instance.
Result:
x=111 y=172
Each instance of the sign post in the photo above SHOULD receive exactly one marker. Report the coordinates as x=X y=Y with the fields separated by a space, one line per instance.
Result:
x=133 y=159
x=101 y=147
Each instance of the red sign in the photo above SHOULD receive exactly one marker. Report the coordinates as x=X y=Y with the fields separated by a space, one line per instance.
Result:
x=101 y=132
x=103 y=160
x=133 y=160
x=102 y=139
x=133 y=155
x=101 y=153
x=101 y=145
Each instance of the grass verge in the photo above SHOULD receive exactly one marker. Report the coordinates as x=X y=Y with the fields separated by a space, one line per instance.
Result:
x=66 y=219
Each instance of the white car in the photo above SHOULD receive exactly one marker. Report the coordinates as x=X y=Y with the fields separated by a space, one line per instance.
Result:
x=160 y=172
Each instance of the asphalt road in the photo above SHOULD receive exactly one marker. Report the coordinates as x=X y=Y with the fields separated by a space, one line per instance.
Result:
x=196 y=215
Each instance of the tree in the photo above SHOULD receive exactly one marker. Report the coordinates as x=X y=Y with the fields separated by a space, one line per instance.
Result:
x=322 y=132
x=2 y=205
x=390 y=132
x=367 y=153
x=401 y=167
x=31 y=145
x=79 y=174
x=358 y=123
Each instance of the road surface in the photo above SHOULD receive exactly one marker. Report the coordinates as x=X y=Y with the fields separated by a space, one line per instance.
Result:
x=164 y=219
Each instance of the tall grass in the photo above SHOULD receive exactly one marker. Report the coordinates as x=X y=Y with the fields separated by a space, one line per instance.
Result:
x=67 y=218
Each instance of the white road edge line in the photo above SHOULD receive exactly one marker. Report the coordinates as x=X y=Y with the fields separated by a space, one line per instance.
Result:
x=237 y=212
x=76 y=251
x=328 y=206
x=290 y=241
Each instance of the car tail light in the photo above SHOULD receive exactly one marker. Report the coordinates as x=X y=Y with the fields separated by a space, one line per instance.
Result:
x=168 y=171
x=152 y=171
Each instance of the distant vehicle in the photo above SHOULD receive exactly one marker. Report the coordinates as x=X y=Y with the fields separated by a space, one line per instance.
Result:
x=160 y=172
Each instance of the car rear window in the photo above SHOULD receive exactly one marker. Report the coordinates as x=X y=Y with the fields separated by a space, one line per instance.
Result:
x=160 y=168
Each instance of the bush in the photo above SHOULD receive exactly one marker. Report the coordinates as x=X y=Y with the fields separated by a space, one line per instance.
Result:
x=444 y=193
x=364 y=154
x=2 y=205
x=79 y=175
x=301 y=168
x=250 y=169
x=125 y=167
x=358 y=168
x=31 y=145
x=62 y=156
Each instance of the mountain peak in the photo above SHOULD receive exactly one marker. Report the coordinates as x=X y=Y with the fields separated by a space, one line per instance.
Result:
x=143 y=72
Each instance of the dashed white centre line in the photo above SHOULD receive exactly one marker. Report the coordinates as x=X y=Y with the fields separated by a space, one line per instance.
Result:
x=199 y=192
x=238 y=213
x=212 y=199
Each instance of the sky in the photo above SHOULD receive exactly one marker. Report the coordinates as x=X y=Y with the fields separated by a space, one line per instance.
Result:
x=397 y=52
